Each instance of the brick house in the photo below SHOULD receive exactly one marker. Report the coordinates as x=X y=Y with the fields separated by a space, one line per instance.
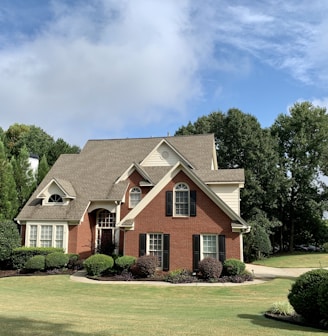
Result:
x=161 y=196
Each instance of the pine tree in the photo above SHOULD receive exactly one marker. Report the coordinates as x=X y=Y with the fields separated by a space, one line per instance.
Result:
x=42 y=169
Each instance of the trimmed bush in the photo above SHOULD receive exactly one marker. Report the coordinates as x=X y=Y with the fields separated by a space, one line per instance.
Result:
x=74 y=261
x=9 y=240
x=20 y=255
x=145 y=266
x=323 y=298
x=125 y=262
x=97 y=264
x=233 y=267
x=36 y=263
x=56 y=260
x=210 y=268
x=304 y=294
x=325 y=247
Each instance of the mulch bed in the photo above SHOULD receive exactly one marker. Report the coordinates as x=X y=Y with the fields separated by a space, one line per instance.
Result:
x=295 y=319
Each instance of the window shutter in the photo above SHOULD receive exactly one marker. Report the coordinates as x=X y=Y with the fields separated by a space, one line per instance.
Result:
x=166 y=252
x=169 y=203
x=142 y=244
x=195 y=252
x=222 y=248
x=193 y=203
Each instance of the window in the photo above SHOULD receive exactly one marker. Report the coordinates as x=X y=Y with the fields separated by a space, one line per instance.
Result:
x=181 y=193
x=55 y=198
x=155 y=247
x=209 y=246
x=106 y=219
x=43 y=235
x=156 y=244
x=46 y=236
x=33 y=235
x=135 y=196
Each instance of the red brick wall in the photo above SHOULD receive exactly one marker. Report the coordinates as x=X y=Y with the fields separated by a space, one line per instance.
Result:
x=82 y=237
x=209 y=220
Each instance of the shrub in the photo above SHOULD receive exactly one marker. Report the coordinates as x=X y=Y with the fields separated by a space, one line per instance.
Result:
x=282 y=308
x=35 y=263
x=97 y=264
x=180 y=276
x=20 y=255
x=325 y=247
x=304 y=293
x=145 y=266
x=56 y=260
x=125 y=262
x=73 y=261
x=9 y=240
x=233 y=267
x=210 y=268
x=323 y=298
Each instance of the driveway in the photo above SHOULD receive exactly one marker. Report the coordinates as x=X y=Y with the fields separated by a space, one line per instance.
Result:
x=264 y=272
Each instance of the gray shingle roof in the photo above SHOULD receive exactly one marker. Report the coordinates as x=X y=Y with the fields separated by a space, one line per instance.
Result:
x=91 y=175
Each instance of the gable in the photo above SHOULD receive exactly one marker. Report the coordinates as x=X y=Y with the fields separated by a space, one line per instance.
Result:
x=164 y=155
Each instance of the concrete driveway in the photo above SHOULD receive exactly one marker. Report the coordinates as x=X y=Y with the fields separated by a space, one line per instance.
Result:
x=264 y=272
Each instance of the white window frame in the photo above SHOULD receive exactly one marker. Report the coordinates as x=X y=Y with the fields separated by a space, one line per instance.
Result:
x=204 y=249
x=134 y=196
x=106 y=220
x=36 y=231
x=181 y=187
x=151 y=248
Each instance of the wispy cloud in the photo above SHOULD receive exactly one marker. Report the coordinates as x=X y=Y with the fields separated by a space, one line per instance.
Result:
x=115 y=65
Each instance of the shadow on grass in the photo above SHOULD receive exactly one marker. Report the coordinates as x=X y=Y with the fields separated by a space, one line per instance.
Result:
x=28 y=327
x=262 y=321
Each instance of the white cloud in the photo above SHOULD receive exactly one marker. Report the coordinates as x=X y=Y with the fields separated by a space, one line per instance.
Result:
x=107 y=65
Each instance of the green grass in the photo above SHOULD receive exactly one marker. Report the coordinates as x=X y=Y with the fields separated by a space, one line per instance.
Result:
x=296 y=259
x=55 y=305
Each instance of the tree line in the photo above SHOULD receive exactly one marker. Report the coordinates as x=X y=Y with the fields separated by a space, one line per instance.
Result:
x=285 y=194
x=17 y=178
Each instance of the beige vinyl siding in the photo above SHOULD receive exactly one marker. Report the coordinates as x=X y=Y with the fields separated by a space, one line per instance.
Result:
x=230 y=194
x=162 y=156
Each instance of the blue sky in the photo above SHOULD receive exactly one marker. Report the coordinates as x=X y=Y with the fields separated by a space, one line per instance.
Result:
x=125 y=68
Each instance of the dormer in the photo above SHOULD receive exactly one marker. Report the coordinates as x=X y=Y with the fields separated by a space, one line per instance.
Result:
x=164 y=154
x=57 y=192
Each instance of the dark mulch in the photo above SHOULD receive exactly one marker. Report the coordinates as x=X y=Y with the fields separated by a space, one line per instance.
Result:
x=295 y=319
x=10 y=273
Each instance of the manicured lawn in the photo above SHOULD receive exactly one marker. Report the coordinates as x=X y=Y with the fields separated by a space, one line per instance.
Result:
x=296 y=259
x=55 y=305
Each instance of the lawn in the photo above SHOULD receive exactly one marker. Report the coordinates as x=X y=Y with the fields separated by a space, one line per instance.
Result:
x=56 y=305
x=296 y=259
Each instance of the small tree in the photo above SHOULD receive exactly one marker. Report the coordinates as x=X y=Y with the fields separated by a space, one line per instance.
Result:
x=9 y=239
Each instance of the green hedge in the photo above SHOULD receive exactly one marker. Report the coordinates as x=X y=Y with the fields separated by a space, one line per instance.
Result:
x=20 y=255
x=35 y=263
x=304 y=294
x=125 y=262
x=233 y=267
x=98 y=263
x=56 y=260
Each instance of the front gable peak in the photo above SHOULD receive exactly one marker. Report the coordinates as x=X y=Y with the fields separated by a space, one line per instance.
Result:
x=164 y=155
x=57 y=191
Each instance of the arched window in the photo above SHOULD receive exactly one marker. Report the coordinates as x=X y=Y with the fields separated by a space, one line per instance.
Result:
x=181 y=199
x=55 y=198
x=135 y=196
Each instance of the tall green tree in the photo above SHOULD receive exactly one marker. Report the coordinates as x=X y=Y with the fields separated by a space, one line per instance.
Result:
x=8 y=194
x=242 y=143
x=58 y=148
x=24 y=176
x=302 y=142
x=42 y=169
